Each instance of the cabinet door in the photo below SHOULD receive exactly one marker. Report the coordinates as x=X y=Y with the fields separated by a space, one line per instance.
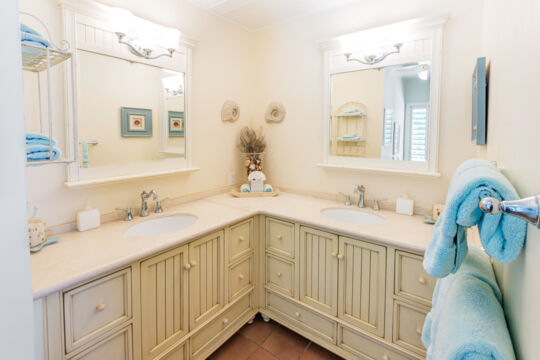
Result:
x=206 y=278
x=362 y=269
x=164 y=301
x=319 y=269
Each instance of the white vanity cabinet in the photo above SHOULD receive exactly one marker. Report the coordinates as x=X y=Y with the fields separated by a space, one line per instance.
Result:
x=359 y=299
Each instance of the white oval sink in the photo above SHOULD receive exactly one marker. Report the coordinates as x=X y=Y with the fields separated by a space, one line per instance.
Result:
x=162 y=225
x=352 y=216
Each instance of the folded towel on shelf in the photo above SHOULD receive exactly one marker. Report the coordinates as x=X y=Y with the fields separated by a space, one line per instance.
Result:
x=36 y=152
x=467 y=319
x=502 y=235
x=27 y=29
x=33 y=39
x=268 y=188
x=37 y=138
x=245 y=188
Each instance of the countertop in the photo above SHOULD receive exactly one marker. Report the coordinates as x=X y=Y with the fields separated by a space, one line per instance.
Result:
x=81 y=256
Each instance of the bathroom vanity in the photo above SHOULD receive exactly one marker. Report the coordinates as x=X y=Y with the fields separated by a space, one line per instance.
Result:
x=357 y=290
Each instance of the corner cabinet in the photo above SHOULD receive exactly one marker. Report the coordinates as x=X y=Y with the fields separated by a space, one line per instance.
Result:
x=357 y=298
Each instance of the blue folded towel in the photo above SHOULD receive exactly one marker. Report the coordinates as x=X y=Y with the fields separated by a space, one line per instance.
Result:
x=41 y=152
x=502 y=235
x=34 y=39
x=467 y=319
x=28 y=29
x=37 y=138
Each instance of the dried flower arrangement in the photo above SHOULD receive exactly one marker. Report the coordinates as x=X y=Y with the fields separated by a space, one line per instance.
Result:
x=252 y=144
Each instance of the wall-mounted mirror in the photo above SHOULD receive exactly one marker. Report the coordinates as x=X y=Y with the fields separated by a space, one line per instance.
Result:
x=132 y=95
x=382 y=105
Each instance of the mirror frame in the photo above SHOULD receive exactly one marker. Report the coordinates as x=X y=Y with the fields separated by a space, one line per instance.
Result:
x=423 y=42
x=85 y=23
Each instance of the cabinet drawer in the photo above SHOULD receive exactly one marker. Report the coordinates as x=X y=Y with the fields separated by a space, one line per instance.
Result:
x=411 y=280
x=118 y=346
x=240 y=278
x=310 y=320
x=408 y=324
x=280 y=275
x=221 y=323
x=280 y=237
x=178 y=352
x=240 y=241
x=366 y=347
x=96 y=307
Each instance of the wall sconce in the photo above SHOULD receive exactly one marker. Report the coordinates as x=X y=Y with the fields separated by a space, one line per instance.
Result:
x=139 y=50
x=375 y=58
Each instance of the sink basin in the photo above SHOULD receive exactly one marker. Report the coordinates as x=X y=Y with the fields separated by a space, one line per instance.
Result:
x=161 y=225
x=352 y=216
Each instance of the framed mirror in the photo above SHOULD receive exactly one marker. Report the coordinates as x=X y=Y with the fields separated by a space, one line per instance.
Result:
x=133 y=104
x=382 y=98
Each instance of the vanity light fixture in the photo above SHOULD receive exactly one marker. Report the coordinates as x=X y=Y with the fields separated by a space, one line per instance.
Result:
x=139 y=50
x=375 y=58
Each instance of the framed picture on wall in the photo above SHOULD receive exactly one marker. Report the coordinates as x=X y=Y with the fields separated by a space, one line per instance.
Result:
x=136 y=122
x=176 y=123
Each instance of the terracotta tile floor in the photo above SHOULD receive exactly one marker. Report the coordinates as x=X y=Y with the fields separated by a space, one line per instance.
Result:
x=270 y=341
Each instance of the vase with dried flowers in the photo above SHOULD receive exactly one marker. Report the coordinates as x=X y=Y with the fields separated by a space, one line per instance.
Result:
x=252 y=145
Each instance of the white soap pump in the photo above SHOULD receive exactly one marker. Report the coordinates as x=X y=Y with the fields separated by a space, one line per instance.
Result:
x=88 y=218
x=404 y=205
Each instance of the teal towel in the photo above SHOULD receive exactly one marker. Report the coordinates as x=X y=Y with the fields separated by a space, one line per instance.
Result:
x=41 y=152
x=84 y=145
x=28 y=29
x=268 y=188
x=502 y=235
x=34 y=39
x=37 y=138
x=245 y=188
x=467 y=319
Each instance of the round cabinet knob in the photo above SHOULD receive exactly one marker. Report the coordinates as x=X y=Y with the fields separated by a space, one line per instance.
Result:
x=385 y=357
x=422 y=280
x=279 y=237
x=297 y=314
x=419 y=330
x=187 y=266
x=101 y=306
x=333 y=254
x=225 y=321
x=193 y=263
x=241 y=277
x=241 y=238
x=340 y=256
x=279 y=274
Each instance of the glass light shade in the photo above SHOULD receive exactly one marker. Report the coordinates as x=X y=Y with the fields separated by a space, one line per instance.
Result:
x=120 y=19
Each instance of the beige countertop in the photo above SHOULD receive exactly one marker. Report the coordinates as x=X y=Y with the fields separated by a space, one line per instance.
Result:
x=81 y=256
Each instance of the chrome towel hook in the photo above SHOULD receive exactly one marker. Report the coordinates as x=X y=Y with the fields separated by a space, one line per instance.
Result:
x=528 y=208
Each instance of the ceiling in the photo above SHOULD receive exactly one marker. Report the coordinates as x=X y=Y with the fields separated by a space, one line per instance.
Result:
x=258 y=14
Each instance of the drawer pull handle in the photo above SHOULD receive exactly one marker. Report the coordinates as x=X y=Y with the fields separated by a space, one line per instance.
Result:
x=187 y=266
x=340 y=257
x=422 y=280
x=241 y=276
x=279 y=237
x=297 y=314
x=419 y=330
x=385 y=357
x=101 y=306
x=241 y=238
x=279 y=274
x=225 y=321
x=193 y=263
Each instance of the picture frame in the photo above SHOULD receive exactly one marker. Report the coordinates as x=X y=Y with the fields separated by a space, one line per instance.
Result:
x=136 y=122
x=176 y=123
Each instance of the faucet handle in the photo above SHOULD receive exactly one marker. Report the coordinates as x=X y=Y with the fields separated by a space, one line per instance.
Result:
x=347 y=198
x=376 y=204
x=159 y=208
x=129 y=215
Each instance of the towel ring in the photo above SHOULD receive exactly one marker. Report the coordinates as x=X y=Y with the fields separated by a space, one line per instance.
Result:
x=527 y=208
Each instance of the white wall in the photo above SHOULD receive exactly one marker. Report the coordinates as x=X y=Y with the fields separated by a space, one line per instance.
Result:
x=511 y=38
x=222 y=70
x=16 y=301
x=290 y=70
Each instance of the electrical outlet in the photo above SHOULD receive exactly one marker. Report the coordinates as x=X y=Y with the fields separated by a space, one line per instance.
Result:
x=232 y=178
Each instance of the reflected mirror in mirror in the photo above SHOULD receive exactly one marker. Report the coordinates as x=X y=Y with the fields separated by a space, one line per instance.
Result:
x=129 y=112
x=381 y=113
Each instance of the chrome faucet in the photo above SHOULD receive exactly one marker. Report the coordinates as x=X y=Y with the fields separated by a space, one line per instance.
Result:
x=144 y=204
x=360 y=190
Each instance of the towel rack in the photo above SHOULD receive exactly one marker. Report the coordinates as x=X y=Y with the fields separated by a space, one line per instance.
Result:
x=91 y=142
x=528 y=208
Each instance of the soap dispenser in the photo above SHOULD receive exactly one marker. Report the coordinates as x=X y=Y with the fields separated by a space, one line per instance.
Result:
x=88 y=218
x=404 y=205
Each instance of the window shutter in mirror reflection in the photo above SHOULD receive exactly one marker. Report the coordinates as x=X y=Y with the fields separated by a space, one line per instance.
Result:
x=418 y=114
x=387 y=126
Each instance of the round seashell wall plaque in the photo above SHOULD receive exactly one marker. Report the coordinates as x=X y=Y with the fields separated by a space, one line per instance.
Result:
x=275 y=112
x=230 y=111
